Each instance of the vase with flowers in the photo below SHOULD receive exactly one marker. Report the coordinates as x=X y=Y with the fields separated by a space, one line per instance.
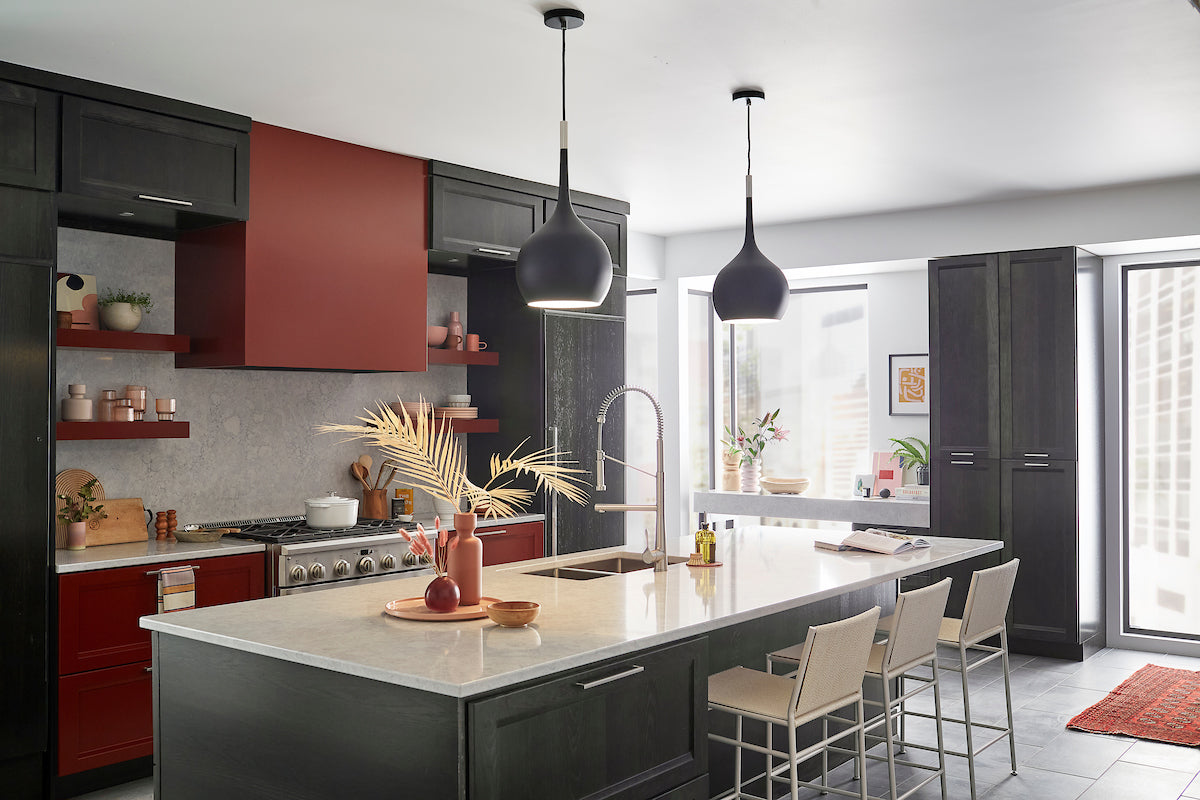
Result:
x=748 y=447
x=428 y=457
x=442 y=593
x=76 y=512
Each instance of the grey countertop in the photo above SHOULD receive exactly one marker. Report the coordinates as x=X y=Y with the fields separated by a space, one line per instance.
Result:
x=133 y=554
x=869 y=511
x=766 y=570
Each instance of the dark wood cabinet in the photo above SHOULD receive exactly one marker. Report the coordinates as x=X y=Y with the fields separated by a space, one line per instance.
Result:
x=104 y=657
x=964 y=357
x=633 y=729
x=330 y=273
x=1037 y=354
x=1040 y=500
x=965 y=503
x=481 y=220
x=509 y=543
x=28 y=137
x=144 y=168
x=27 y=231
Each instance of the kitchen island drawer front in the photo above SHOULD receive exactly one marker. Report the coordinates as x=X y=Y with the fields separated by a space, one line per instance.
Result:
x=480 y=220
x=104 y=717
x=511 y=543
x=28 y=136
x=98 y=611
x=631 y=729
x=153 y=161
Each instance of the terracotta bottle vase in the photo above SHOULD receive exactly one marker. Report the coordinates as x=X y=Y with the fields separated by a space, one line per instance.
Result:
x=77 y=536
x=466 y=561
x=454 y=335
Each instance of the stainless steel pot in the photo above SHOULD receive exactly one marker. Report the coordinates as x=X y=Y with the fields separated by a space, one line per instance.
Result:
x=331 y=511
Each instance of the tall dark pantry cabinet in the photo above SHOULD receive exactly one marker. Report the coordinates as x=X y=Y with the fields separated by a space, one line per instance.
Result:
x=28 y=142
x=1015 y=425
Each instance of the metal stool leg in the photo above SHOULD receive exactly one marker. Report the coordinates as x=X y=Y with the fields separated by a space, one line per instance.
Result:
x=862 y=750
x=937 y=714
x=888 y=737
x=1012 y=741
x=962 y=655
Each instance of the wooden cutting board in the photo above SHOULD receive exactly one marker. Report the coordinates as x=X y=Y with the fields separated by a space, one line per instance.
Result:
x=126 y=522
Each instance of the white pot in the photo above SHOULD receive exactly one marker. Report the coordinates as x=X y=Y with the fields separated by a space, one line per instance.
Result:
x=331 y=511
x=121 y=316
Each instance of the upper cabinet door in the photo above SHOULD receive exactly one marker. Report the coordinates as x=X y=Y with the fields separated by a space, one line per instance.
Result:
x=151 y=168
x=480 y=220
x=28 y=136
x=964 y=357
x=1037 y=354
x=608 y=226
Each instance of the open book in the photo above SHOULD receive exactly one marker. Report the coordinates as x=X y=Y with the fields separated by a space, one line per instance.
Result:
x=876 y=541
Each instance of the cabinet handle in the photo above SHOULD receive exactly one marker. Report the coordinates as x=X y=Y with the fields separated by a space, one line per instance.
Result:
x=962 y=454
x=1028 y=464
x=490 y=533
x=170 y=200
x=157 y=571
x=148 y=669
x=1037 y=455
x=491 y=251
x=963 y=463
x=634 y=670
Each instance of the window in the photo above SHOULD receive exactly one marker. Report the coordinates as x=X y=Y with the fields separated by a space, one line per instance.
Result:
x=641 y=369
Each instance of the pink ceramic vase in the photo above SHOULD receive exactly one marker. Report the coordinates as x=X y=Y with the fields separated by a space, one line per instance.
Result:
x=76 y=535
x=466 y=561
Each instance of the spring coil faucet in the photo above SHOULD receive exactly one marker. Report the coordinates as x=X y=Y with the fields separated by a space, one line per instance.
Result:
x=658 y=554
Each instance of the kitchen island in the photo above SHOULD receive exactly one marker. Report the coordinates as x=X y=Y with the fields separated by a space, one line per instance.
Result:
x=322 y=695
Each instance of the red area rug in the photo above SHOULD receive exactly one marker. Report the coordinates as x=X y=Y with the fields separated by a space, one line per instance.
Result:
x=1155 y=702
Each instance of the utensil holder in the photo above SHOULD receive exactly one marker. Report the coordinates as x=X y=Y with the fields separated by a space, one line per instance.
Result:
x=374 y=504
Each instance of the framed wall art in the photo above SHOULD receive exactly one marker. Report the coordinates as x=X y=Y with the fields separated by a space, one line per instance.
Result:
x=908 y=384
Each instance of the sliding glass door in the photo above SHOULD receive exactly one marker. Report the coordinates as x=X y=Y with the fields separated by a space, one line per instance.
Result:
x=1160 y=426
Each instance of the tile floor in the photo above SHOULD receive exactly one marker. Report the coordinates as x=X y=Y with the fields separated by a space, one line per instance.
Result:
x=1053 y=763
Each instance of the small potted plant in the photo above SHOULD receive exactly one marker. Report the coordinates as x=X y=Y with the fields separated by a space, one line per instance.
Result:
x=76 y=512
x=913 y=452
x=122 y=310
x=749 y=447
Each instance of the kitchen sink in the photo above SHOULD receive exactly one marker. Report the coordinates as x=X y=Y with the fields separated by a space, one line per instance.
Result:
x=613 y=565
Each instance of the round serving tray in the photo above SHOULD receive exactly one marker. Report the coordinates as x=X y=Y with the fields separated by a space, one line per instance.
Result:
x=414 y=608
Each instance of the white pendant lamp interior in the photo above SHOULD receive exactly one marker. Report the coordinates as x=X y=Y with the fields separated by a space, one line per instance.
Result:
x=750 y=289
x=564 y=264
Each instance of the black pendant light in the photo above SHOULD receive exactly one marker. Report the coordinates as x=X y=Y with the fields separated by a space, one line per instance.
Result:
x=564 y=264
x=750 y=288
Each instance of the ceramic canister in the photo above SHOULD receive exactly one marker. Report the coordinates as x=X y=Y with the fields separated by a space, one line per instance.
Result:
x=76 y=408
x=108 y=402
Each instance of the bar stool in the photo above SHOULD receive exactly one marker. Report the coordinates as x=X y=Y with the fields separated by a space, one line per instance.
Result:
x=829 y=678
x=983 y=617
x=911 y=644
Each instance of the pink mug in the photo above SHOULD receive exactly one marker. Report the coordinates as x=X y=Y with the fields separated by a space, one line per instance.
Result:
x=474 y=344
x=452 y=341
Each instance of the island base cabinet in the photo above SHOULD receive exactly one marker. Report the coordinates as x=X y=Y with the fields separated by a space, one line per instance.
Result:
x=633 y=729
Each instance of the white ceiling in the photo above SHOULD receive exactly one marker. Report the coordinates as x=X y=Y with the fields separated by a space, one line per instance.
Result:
x=872 y=105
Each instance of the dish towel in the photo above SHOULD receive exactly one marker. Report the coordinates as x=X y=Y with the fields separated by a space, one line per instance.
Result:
x=176 y=589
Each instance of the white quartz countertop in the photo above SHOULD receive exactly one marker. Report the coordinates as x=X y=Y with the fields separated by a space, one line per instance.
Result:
x=132 y=554
x=868 y=510
x=766 y=570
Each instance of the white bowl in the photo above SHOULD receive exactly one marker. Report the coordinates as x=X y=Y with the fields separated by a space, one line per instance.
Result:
x=776 y=485
x=458 y=398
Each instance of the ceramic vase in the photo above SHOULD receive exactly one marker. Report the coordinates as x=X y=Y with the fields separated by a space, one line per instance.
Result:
x=922 y=474
x=77 y=536
x=729 y=472
x=121 y=316
x=750 y=474
x=454 y=335
x=465 y=565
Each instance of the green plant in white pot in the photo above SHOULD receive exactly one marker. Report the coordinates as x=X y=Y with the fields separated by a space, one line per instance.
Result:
x=913 y=452
x=122 y=310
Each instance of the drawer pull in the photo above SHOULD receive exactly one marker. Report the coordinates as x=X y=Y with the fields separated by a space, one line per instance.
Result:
x=490 y=533
x=634 y=670
x=170 y=200
x=491 y=251
x=1037 y=455
x=962 y=454
x=963 y=463
x=148 y=669
x=155 y=572
x=1028 y=464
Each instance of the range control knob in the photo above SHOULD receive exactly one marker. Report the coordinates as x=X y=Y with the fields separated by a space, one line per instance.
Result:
x=297 y=574
x=341 y=568
x=410 y=559
x=387 y=562
x=366 y=565
x=316 y=572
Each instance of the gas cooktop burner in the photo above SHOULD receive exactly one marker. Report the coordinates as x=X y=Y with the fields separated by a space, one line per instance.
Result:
x=295 y=530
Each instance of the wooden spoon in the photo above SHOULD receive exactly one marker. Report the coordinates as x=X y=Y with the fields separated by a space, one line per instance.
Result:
x=366 y=461
x=360 y=472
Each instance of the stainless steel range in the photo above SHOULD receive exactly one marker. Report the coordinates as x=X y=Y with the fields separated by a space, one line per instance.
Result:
x=304 y=559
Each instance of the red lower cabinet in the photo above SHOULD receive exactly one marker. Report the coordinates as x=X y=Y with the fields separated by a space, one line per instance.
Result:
x=104 y=717
x=104 y=686
x=510 y=543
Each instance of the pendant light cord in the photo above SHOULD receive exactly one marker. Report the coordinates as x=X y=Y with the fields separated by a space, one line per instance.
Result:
x=564 y=70
x=747 y=134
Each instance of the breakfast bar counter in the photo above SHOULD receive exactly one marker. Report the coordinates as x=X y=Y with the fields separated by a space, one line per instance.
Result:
x=606 y=688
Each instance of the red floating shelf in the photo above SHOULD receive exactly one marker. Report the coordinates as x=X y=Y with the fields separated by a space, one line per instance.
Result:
x=122 y=340
x=68 y=431
x=438 y=355
x=474 y=425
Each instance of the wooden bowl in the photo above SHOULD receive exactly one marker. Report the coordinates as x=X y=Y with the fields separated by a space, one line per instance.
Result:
x=203 y=534
x=513 y=613
x=784 y=485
